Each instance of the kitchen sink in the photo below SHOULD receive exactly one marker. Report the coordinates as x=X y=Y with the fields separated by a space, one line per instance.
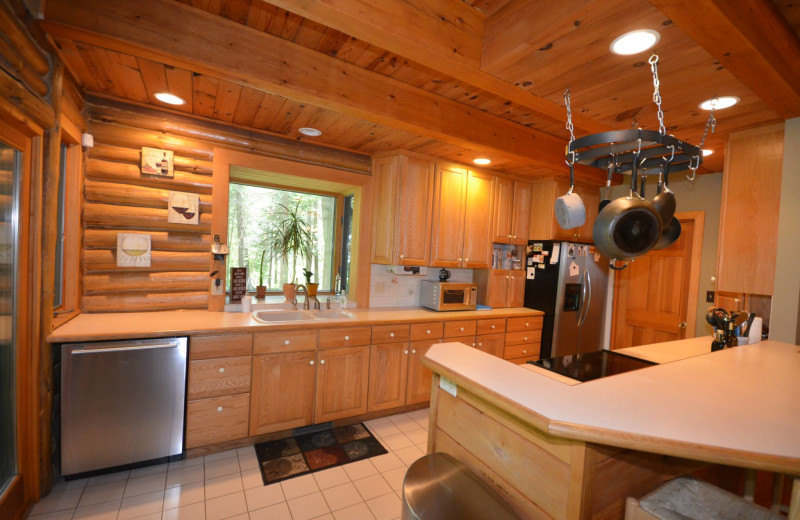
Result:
x=278 y=316
x=332 y=314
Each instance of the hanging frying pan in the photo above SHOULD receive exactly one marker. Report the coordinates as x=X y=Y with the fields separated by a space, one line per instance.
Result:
x=628 y=227
x=665 y=200
x=569 y=208
x=606 y=201
x=669 y=234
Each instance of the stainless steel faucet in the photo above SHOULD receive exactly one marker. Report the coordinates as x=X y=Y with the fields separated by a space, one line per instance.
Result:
x=305 y=292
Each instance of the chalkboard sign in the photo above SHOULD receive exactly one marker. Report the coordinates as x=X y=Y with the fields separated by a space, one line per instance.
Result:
x=238 y=283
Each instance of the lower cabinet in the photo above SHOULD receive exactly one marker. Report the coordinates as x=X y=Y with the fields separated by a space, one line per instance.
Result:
x=282 y=392
x=418 y=388
x=491 y=344
x=216 y=419
x=388 y=368
x=342 y=379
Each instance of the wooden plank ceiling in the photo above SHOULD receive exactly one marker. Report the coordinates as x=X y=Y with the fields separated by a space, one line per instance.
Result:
x=446 y=78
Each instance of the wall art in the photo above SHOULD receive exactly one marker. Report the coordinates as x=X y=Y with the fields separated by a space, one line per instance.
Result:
x=184 y=208
x=157 y=162
x=133 y=250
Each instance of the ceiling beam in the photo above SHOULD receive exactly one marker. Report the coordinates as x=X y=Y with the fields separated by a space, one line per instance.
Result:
x=425 y=36
x=181 y=36
x=751 y=39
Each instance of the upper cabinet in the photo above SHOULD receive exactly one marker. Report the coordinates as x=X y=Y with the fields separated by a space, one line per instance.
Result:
x=543 y=224
x=401 y=233
x=512 y=207
x=462 y=218
x=751 y=196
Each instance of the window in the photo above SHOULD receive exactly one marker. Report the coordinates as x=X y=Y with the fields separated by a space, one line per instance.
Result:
x=58 y=290
x=253 y=215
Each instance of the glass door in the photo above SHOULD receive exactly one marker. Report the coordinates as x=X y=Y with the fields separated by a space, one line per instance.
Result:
x=10 y=174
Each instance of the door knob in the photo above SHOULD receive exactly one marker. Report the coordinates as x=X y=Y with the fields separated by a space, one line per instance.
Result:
x=682 y=325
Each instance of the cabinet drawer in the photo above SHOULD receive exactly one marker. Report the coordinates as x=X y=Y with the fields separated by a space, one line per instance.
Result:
x=422 y=331
x=522 y=360
x=526 y=323
x=491 y=344
x=286 y=341
x=218 y=419
x=454 y=329
x=215 y=377
x=349 y=337
x=492 y=326
x=390 y=334
x=515 y=338
x=220 y=345
x=525 y=349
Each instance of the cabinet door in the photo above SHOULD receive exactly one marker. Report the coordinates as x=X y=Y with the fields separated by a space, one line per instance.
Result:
x=478 y=221
x=282 y=392
x=217 y=419
x=342 y=379
x=388 y=369
x=419 y=378
x=516 y=289
x=413 y=211
x=493 y=344
x=447 y=233
x=504 y=211
x=384 y=172
x=521 y=213
x=498 y=288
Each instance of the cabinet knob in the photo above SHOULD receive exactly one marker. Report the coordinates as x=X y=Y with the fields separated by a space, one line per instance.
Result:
x=413 y=351
x=480 y=343
x=391 y=334
x=527 y=324
x=507 y=277
x=347 y=338
x=525 y=338
x=219 y=408
x=311 y=362
x=461 y=329
x=492 y=327
x=321 y=361
x=509 y=236
x=473 y=343
x=459 y=259
x=515 y=236
x=466 y=259
x=221 y=370
x=286 y=342
x=405 y=352
x=524 y=351
x=427 y=332
x=402 y=256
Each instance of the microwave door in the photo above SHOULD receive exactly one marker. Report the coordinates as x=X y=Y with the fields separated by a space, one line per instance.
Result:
x=453 y=296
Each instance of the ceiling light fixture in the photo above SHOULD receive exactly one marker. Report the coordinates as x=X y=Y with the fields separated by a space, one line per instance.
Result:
x=311 y=132
x=482 y=161
x=707 y=152
x=718 y=103
x=170 y=99
x=635 y=42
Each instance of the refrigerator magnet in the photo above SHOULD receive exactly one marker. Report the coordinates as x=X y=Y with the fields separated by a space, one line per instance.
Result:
x=540 y=266
x=556 y=252
x=530 y=273
x=574 y=269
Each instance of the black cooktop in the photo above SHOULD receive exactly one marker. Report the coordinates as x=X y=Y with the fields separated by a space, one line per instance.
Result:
x=592 y=365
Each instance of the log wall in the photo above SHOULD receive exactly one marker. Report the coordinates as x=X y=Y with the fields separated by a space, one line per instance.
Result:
x=118 y=198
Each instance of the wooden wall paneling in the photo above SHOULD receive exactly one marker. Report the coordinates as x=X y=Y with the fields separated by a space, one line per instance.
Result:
x=21 y=69
x=106 y=260
x=160 y=240
x=133 y=195
x=135 y=302
x=125 y=173
x=104 y=283
x=15 y=95
x=129 y=155
x=21 y=40
x=141 y=218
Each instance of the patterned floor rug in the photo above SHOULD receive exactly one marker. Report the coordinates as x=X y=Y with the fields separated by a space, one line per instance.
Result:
x=310 y=452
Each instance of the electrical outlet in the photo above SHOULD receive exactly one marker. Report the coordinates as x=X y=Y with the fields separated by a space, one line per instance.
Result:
x=217 y=288
x=709 y=296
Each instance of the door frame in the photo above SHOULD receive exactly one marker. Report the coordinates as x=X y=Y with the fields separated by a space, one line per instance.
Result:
x=698 y=218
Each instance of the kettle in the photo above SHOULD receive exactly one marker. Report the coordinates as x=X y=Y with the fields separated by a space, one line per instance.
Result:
x=444 y=275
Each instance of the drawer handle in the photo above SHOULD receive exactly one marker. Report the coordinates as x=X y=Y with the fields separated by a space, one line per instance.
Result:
x=321 y=361
x=461 y=329
x=286 y=342
x=492 y=327
x=525 y=338
x=391 y=334
x=311 y=362
x=347 y=338
x=427 y=332
x=221 y=370
x=413 y=351
x=405 y=352
x=524 y=351
x=219 y=408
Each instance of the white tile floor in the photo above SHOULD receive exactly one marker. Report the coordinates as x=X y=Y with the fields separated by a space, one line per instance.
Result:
x=229 y=485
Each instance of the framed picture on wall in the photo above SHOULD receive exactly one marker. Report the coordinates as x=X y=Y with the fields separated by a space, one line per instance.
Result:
x=184 y=208
x=133 y=250
x=156 y=161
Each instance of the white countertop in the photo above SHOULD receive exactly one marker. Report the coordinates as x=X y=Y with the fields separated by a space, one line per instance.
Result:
x=738 y=406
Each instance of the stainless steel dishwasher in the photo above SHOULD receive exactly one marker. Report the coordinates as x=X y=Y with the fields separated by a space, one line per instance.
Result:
x=122 y=402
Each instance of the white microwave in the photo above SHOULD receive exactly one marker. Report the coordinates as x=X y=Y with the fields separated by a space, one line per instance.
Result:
x=448 y=296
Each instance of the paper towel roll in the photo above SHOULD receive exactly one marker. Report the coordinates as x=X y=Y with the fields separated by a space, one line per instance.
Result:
x=755 y=330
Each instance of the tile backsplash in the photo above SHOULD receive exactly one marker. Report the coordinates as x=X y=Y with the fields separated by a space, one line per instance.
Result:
x=390 y=290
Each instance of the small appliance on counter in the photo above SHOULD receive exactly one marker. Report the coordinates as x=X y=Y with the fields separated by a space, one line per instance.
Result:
x=448 y=296
x=592 y=365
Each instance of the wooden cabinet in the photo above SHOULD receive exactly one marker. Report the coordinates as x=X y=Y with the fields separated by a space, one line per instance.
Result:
x=523 y=339
x=342 y=380
x=216 y=419
x=491 y=344
x=216 y=377
x=401 y=230
x=462 y=218
x=283 y=391
x=499 y=288
x=418 y=388
x=751 y=198
x=388 y=367
x=543 y=224
x=512 y=208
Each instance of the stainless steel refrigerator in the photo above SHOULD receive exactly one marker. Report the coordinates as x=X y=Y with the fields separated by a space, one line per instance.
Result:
x=569 y=283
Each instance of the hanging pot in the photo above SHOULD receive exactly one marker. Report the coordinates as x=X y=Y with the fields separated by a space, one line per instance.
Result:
x=669 y=234
x=606 y=201
x=629 y=226
x=569 y=208
x=665 y=200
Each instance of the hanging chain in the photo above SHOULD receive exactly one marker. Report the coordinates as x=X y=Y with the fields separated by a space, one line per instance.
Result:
x=656 y=94
x=711 y=123
x=569 y=116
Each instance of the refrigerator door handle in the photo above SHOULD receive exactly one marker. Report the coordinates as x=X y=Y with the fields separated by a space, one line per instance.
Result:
x=587 y=296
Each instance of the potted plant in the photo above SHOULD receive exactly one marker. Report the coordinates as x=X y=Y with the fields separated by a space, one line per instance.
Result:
x=290 y=234
x=261 y=290
x=312 y=287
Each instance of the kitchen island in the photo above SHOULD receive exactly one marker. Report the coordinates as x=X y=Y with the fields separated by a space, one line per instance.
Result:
x=556 y=449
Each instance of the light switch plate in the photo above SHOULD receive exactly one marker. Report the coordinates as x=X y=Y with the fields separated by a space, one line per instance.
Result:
x=709 y=296
x=216 y=290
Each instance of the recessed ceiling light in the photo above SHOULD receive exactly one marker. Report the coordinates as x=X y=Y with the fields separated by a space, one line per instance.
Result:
x=718 y=103
x=707 y=152
x=170 y=99
x=482 y=160
x=311 y=132
x=634 y=42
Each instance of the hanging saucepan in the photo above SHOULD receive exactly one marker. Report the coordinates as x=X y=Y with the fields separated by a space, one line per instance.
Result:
x=628 y=227
x=569 y=208
x=606 y=201
x=669 y=234
x=665 y=200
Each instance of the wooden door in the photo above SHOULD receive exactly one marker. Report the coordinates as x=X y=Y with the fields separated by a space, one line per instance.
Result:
x=388 y=370
x=478 y=221
x=418 y=388
x=497 y=291
x=447 y=231
x=342 y=379
x=504 y=211
x=414 y=207
x=521 y=213
x=384 y=173
x=282 y=395
x=516 y=289
x=493 y=344
x=653 y=297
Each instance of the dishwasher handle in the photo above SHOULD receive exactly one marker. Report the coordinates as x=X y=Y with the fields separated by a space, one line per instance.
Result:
x=122 y=347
